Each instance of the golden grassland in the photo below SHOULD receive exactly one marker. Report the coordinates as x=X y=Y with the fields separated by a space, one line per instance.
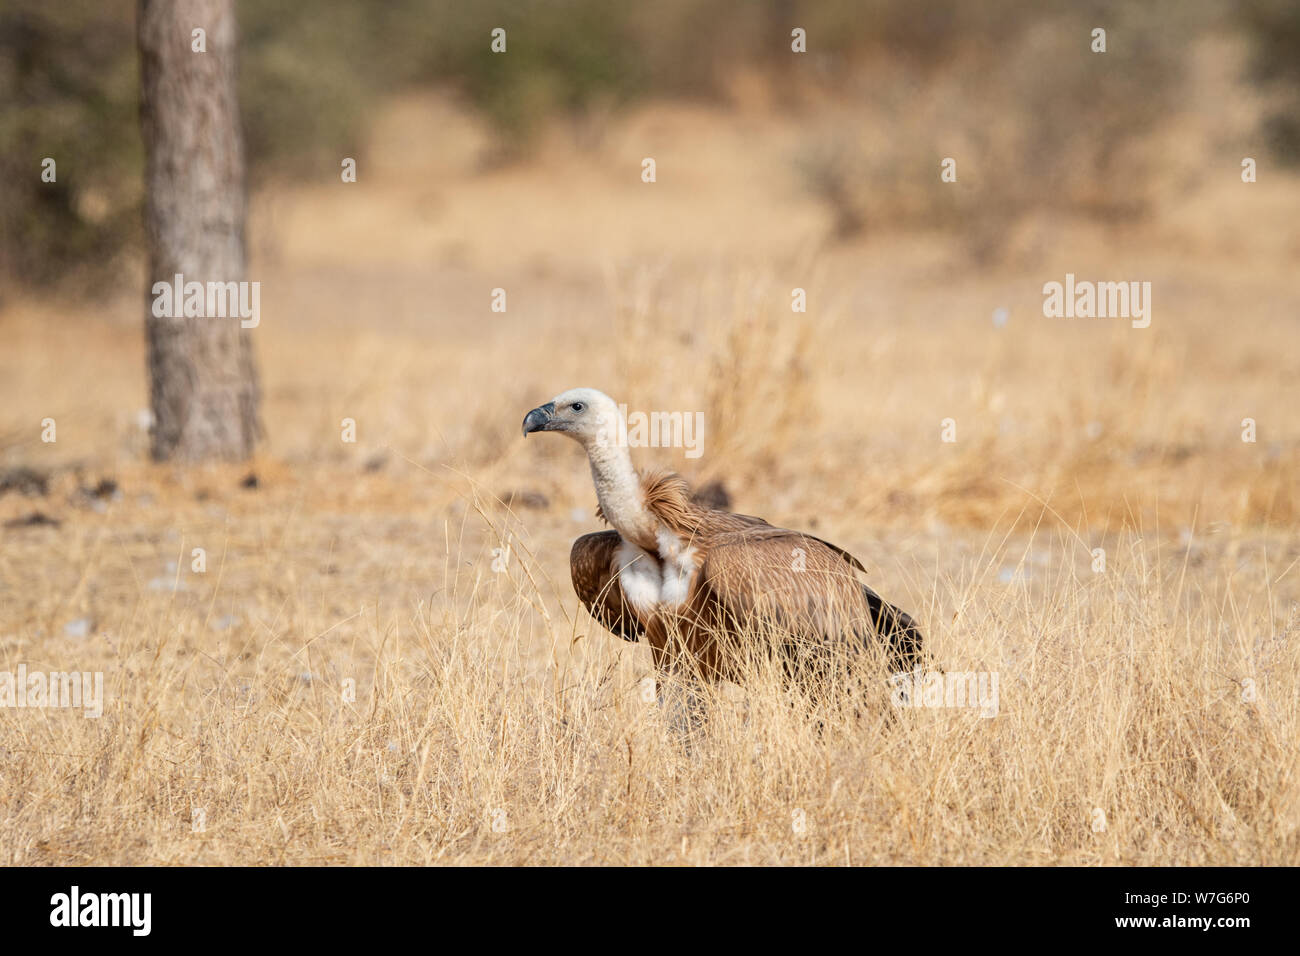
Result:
x=493 y=722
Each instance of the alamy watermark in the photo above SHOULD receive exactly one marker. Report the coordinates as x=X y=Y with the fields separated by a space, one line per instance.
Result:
x=38 y=690
x=1098 y=300
x=212 y=300
x=657 y=430
x=130 y=910
x=936 y=689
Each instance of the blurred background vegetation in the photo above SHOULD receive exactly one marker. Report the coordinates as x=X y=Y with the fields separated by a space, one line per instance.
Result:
x=312 y=74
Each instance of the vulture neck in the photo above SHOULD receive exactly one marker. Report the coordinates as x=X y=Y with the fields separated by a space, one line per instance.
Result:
x=618 y=489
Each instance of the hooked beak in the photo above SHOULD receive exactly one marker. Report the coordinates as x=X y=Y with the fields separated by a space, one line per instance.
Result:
x=539 y=419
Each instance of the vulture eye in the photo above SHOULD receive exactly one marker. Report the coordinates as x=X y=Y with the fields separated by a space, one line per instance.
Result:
x=578 y=406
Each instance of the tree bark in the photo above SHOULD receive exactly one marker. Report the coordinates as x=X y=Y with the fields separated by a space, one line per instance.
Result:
x=203 y=384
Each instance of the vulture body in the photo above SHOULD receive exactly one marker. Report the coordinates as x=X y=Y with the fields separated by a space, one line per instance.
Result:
x=696 y=583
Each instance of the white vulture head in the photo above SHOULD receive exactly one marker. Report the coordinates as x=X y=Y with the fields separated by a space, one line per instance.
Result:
x=588 y=416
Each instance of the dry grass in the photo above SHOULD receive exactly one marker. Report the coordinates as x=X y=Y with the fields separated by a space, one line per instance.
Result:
x=487 y=697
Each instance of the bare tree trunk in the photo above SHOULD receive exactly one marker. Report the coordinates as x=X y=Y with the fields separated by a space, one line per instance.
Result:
x=203 y=384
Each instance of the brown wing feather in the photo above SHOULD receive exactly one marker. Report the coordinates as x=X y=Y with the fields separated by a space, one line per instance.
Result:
x=668 y=496
x=784 y=577
x=593 y=562
x=751 y=574
x=806 y=587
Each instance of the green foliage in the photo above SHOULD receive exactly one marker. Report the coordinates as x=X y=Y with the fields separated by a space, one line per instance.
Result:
x=312 y=73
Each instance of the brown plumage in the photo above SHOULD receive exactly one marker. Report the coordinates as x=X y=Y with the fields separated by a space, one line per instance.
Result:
x=749 y=577
x=686 y=577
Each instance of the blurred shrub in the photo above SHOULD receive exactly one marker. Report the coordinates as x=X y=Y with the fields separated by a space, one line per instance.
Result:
x=1035 y=120
x=1009 y=81
x=1274 y=30
x=67 y=92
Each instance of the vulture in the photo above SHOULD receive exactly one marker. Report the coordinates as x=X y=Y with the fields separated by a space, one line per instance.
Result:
x=702 y=586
